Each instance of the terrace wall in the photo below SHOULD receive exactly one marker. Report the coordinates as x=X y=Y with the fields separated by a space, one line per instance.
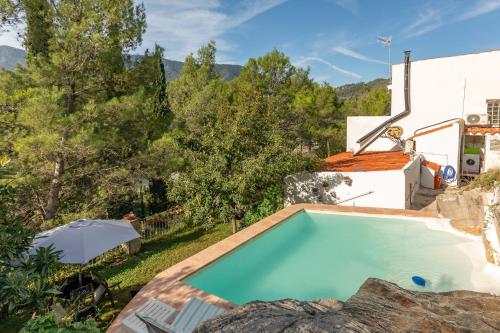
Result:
x=391 y=188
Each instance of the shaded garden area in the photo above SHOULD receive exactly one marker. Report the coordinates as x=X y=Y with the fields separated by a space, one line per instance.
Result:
x=135 y=271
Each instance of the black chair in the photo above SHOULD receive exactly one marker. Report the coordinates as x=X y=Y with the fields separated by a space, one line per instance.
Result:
x=103 y=289
x=79 y=306
x=72 y=283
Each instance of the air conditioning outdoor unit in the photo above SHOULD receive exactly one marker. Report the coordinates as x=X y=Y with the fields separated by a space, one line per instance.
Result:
x=476 y=119
x=471 y=163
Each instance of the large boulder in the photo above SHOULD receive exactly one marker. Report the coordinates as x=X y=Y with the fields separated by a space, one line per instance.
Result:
x=465 y=210
x=378 y=306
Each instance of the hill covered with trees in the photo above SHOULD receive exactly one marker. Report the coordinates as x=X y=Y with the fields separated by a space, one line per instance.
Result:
x=359 y=89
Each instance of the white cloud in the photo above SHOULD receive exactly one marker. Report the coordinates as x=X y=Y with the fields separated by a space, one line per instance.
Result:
x=480 y=8
x=181 y=27
x=183 y=4
x=427 y=20
x=350 y=5
x=431 y=19
x=353 y=54
x=303 y=60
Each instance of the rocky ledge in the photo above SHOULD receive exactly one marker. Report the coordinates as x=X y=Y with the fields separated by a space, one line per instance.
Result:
x=378 y=306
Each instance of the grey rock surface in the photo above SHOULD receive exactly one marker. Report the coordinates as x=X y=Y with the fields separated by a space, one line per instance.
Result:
x=378 y=306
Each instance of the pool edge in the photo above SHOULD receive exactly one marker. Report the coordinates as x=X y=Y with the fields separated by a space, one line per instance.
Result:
x=169 y=287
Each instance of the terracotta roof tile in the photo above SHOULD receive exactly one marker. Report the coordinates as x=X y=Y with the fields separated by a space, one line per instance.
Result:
x=368 y=161
x=431 y=165
x=482 y=130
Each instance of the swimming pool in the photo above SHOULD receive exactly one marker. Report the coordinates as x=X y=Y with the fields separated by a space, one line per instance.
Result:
x=315 y=255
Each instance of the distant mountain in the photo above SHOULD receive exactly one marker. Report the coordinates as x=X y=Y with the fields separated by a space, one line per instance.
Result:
x=10 y=56
x=357 y=89
x=173 y=70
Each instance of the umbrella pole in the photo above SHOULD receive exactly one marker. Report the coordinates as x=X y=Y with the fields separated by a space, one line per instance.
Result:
x=80 y=275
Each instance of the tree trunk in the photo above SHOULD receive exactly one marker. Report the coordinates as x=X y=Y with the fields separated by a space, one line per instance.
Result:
x=238 y=216
x=55 y=188
x=55 y=185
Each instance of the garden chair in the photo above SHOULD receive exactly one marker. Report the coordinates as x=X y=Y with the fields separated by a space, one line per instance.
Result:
x=194 y=312
x=158 y=311
x=103 y=289
x=77 y=311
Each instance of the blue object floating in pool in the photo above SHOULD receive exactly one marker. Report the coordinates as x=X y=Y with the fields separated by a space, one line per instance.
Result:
x=419 y=281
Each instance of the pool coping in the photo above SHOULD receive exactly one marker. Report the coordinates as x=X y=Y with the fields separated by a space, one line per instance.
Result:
x=168 y=286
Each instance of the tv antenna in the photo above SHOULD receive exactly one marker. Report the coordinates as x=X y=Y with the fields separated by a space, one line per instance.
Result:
x=387 y=42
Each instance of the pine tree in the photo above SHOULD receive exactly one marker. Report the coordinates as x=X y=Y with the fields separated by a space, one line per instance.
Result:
x=83 y=60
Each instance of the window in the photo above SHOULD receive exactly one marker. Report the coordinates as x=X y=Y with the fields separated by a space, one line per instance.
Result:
x=494 y=112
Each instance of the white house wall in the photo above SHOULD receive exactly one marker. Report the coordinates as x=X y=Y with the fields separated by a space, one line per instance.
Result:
x=358 y=126
x=440 y=89
x=445 y=88
x=442 y=147
x=412 y=180
x=391 y=189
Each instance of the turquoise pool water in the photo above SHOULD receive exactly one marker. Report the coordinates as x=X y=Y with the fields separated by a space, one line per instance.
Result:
x=317 y=255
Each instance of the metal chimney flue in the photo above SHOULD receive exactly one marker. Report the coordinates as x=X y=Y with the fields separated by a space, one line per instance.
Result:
x=407 y=72
x=378 y=131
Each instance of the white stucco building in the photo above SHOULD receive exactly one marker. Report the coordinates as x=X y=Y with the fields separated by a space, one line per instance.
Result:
x=445 y=118
x=463 y=90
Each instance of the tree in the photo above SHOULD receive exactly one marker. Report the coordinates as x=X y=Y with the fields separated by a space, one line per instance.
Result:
x=233 y=136
x=71 y=89
x=375 y=102
x=321 y=126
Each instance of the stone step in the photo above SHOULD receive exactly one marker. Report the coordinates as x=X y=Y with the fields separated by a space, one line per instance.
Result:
x=425 y=200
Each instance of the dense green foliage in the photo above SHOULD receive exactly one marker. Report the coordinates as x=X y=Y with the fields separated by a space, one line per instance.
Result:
x=93 y=132
x=85 y=116
x=240 y=138
x=24 y=279
x=375 y=102
x=50 y=323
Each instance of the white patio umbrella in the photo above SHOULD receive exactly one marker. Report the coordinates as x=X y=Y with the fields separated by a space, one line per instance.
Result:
x=82 y=240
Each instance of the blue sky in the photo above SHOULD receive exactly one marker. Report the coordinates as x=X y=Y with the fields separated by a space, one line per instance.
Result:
x=336 y=38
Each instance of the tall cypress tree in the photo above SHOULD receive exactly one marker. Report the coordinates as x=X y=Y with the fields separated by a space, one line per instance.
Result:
x=159 y=82
x=38 y=28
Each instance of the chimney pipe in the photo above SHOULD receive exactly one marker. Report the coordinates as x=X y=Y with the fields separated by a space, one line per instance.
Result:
x=407 y=80
x=375 y=133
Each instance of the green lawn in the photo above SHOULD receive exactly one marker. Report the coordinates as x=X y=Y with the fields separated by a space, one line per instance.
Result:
x=135 y=271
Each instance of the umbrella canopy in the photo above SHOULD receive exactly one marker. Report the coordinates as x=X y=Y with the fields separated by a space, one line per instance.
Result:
x=82 y=240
